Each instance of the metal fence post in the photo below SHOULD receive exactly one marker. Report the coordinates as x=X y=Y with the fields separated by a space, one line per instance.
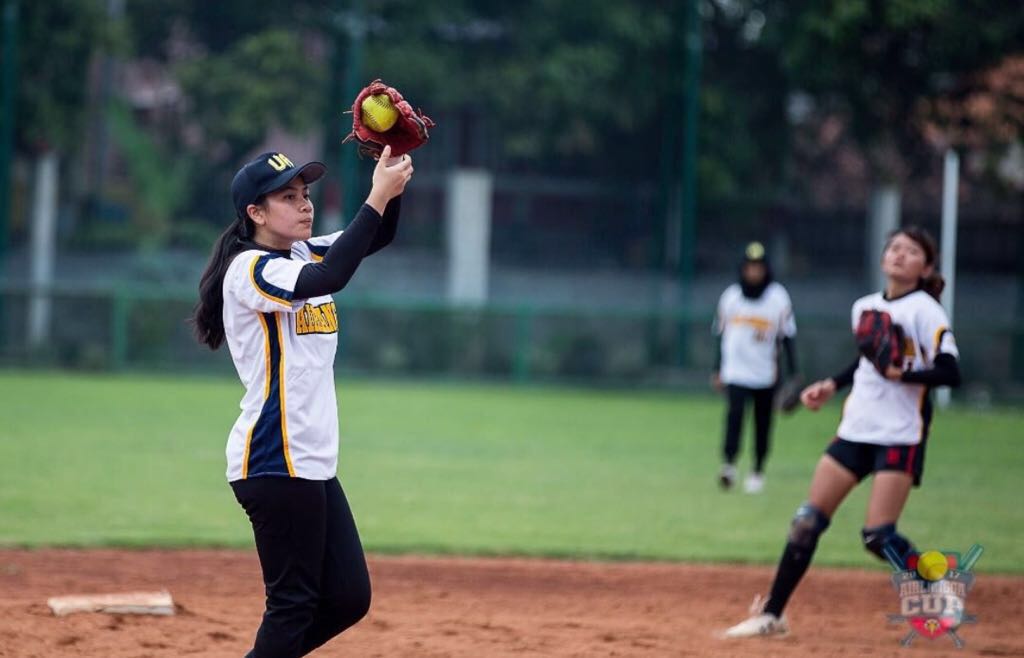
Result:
x=524 y=338
x=120 y=312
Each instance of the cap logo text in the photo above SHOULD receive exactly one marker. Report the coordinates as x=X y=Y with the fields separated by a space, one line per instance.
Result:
x=280 y=162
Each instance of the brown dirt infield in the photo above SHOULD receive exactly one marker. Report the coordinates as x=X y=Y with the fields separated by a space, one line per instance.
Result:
x=435 y=607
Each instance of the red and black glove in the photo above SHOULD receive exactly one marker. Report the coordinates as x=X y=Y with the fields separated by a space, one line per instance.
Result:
x=880 y=340
x=408 y=133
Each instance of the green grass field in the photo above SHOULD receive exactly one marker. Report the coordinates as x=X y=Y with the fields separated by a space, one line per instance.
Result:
x=94 y=460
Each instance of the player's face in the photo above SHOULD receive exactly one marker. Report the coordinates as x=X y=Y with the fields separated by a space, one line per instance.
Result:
x=904 y=259
x=287 y=215
x=754 y=273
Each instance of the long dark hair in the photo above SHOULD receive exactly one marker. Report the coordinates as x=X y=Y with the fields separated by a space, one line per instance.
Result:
x=207 y=317
x=933 y=284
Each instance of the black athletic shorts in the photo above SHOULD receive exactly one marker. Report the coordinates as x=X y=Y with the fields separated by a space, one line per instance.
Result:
x=863 y=459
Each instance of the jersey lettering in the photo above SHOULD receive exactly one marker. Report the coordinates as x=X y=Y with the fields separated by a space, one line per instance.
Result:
x=322 y=319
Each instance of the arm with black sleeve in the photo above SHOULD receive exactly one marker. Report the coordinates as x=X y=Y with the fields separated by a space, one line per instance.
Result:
x=789 y=349
x=844 y=377
x=388 y=226
x=281 y=281
x=945 y=371
x=340 y=262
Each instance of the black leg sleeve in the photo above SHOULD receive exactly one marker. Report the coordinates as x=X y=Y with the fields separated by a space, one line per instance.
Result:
x=345 y=584
x=804 y=532
x=733 y=422
x=763 y=401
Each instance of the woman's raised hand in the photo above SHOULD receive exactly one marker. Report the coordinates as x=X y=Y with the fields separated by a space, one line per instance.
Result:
x=388 y=181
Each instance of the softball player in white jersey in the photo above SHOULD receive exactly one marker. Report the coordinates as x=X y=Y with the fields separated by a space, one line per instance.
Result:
x=755 y=317
x=267 y=292
x=884 y=425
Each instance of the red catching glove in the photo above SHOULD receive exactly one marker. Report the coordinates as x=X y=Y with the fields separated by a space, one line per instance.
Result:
x=880 y=340
x=408 y=133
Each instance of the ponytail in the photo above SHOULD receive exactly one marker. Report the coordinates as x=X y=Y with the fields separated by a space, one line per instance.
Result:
x=933 y=284
x=207 y=317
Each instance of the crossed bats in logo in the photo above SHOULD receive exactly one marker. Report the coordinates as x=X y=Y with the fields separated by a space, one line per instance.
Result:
x=965 y=565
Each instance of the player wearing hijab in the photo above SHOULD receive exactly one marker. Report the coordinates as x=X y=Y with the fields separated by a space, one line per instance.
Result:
x=755 y=317
x=884 y=426
x=267 y=292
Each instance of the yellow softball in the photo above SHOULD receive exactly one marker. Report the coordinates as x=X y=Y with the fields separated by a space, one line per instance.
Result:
x=932 y=565
x=379 y=114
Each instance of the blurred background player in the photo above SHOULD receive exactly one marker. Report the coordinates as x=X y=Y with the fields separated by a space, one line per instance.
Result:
x=884 y=424
x=267 y=291
x=754 y=317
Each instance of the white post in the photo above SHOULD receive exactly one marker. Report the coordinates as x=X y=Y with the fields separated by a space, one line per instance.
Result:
x=883 y=219
x=950 y=183
x=43 y=232
x=468 y=215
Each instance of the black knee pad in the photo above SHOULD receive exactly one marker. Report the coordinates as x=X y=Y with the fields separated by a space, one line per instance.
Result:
x=807 y=525
x=882 y=540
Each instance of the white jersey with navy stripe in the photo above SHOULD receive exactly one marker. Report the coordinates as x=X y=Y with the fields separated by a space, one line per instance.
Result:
x=283 y=349
x=886 y=412
x=751 y=330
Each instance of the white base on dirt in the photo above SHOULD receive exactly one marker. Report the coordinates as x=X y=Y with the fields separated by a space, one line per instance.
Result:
x=131 y=603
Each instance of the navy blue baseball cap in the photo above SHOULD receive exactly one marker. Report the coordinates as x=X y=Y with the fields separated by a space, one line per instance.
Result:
x=268 y=172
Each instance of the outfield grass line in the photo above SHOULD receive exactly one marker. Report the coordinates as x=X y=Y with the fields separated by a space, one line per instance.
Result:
x=461 y=469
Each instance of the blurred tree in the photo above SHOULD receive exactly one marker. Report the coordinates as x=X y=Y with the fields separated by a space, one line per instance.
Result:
x=55 y=43
x=170 y=29
x=557 y=88
x=744 y=133
x=595 y=92
x=878 y=63
x=265 y=80
x=159 y=180
x=543 y=86
x=239 y=80
x=985 y=110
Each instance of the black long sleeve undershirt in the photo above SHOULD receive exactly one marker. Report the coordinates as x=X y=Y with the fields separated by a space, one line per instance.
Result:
x=388 y=226
x=845 y=376
x=340 y=261
x=945 y=371
x=789 y=348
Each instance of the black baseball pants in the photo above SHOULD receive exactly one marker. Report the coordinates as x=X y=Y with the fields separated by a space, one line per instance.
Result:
x=313 y=565
x=763 y=400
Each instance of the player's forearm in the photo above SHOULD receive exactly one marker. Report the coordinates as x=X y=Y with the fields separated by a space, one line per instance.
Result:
x=789 y=349
x=844 y=377
x=340 y=262
x=378 y=200
x=388 y=226
x=945 y=372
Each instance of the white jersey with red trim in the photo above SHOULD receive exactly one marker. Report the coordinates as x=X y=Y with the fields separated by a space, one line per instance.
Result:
x=882 y=411
x=751 y=330
x=283 y=349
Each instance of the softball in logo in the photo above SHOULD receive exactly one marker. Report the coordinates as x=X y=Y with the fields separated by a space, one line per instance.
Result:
x=933 y=589
x=932 y=565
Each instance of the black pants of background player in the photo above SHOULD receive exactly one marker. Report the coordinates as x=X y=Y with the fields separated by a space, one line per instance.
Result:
x=763 y=401
x=313 y=565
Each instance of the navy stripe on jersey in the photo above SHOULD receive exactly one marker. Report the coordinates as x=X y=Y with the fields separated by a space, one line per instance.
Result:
x=264 y=286
x=317 y=251
x=267 y=446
